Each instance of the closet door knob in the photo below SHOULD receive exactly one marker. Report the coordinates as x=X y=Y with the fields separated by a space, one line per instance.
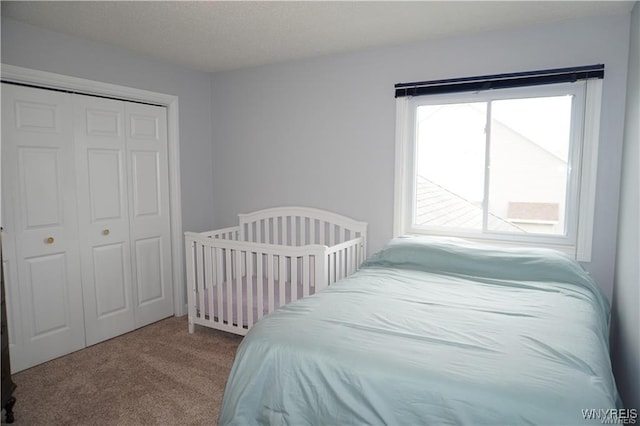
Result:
x=49 y=240
x=105 y=232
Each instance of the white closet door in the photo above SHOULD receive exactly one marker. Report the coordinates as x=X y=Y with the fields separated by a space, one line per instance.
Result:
x=104 y=217
x=38 y=185
x=147 y=160
x=12 y=293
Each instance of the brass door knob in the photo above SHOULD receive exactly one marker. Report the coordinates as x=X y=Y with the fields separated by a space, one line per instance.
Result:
x=105 y=232
x=50 y=240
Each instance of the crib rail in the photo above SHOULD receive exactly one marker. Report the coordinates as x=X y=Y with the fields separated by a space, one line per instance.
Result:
x=299 y=226
x=343 y=259
x=231 y=233
x=233 y=284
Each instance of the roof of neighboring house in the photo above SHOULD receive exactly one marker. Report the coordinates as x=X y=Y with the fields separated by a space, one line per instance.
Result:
x=437 y=206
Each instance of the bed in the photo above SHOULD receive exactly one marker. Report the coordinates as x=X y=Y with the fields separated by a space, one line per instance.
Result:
x=432 y=331
x=237 y=275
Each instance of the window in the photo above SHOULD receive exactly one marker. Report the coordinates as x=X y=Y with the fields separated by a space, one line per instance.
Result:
x=512 y=165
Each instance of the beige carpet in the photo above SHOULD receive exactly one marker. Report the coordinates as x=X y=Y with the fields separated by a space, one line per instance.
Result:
x=157 y=375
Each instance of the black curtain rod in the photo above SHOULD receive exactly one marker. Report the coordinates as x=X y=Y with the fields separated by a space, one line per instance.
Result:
x=499 y=81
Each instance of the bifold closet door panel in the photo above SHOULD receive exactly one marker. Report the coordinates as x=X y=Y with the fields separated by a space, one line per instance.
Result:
x=38 y=187
x=103 y=212
x=12 y=299
x=147 y=162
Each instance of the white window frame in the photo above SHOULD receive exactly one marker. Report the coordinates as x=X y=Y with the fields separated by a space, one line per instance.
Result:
x=582 y=165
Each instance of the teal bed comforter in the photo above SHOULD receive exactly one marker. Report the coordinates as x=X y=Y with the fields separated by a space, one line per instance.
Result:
x=432 y=331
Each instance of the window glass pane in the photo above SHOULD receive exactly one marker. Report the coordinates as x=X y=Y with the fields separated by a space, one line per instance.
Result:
x=529 y=156
x=450 y=164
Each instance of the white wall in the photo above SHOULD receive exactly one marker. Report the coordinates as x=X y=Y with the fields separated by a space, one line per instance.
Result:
x=625 y=333
x=31 y=47
x=320 y=132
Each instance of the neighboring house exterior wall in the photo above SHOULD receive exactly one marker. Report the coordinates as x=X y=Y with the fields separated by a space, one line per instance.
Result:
x=515 y=160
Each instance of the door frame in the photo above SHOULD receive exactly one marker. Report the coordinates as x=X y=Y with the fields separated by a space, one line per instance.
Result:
x=44 y=79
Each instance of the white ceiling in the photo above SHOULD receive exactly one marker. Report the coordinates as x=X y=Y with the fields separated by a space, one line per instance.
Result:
x=224 y=35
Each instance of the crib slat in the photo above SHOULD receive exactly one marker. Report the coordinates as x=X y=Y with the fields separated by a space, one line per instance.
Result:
x=351 y=260
x=283 y=229
x=355 y=258
x=312 y=231
x=270 y=289
x=260 y=284
x=219 y=253
x=294 y=230
x=249 y=284
x=207 y=266
x=347 y=260
x=322 y=231
x=305 y=275
x=267 y=231
x=200 y=278
x=228 y=285
x=294 y=278
x=211 y=279
x=239 y=298
x=323 y=280
x=329 y=269
x=191 y=288
x=344 y=263
x=332 y=268
x=313 y=279
x=282 y=278
x=288 y=231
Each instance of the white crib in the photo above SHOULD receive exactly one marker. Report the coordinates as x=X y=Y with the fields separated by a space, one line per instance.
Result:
x=237 y=275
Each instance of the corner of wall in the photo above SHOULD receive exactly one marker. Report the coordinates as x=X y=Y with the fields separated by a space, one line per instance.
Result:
x=625 y=321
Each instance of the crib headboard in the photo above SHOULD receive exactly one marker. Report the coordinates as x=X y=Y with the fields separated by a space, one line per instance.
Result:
x=299 y=226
